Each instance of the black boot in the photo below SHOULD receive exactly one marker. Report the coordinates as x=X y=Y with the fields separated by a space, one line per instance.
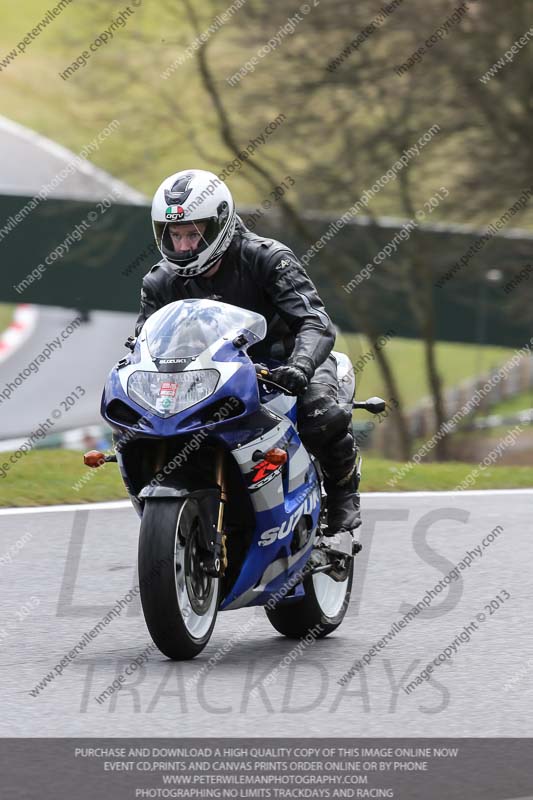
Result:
x=343 y=506
x=338 y=544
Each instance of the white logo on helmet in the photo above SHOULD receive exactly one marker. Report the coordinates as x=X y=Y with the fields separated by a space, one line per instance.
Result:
x=174 y=212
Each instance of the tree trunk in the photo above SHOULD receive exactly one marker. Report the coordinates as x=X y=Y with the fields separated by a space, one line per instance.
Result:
x=294 y=218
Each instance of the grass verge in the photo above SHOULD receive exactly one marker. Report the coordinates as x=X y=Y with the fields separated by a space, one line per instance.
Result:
x=511 y=405
x=6 y=316
x=456 y=362
x=49 y=477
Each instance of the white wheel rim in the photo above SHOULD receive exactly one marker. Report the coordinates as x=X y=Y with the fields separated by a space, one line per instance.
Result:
x=197 y=624
x=330 y=594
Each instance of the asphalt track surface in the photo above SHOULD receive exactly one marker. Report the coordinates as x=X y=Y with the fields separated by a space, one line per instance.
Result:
x=63 y=570
x=84 y=359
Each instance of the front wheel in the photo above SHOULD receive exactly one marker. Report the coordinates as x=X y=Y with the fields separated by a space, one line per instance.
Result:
x=179 y=600
x=319 y=612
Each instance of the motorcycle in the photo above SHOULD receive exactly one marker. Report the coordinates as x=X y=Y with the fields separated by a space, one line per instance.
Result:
x=231 y=504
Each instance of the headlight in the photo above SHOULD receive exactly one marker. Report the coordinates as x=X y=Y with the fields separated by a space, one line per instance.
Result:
x=168 y=393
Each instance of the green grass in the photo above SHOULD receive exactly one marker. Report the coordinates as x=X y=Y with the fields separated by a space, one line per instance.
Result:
x=455 y=362
x=443 y=476
x=492 y=435
x=47 y=477
x=6 y=315
x=520 y=402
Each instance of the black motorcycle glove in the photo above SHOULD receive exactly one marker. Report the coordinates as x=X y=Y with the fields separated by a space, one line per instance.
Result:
x=292 y=379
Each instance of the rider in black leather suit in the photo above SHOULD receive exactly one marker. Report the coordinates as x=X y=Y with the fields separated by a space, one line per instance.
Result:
x=264 y=276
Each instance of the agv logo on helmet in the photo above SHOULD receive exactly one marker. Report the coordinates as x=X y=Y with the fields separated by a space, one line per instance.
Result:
x=174 y=213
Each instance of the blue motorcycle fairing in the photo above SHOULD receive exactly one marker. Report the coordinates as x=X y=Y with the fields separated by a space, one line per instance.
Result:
x=113 y=391
x=278 y=402
x=282 y=577
x=281 y=522
x=279 y=503
x=242 y=385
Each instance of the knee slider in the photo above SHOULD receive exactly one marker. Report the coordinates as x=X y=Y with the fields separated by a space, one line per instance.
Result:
x=321 y=424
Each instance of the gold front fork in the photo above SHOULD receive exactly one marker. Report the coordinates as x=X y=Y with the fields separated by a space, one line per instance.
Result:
x=220 y=535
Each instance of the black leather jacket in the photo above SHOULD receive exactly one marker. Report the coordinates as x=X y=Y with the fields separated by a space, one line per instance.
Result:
x=261 y=275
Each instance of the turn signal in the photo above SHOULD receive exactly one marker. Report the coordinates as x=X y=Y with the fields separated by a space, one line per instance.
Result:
x=276 y=456
x=94 y=458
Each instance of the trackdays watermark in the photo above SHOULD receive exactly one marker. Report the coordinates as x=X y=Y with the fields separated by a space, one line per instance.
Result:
x=245 y=629
x=88 y=636
x=159 y=686
x=453 y=575
x=153 y=687
x=490 y=607
x=309 y=639
x=130 y=668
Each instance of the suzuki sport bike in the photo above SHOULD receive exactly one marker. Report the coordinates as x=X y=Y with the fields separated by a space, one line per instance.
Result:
x=231 y=504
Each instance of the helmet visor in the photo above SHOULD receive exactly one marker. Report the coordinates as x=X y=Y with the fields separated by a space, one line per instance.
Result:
x=182 y=241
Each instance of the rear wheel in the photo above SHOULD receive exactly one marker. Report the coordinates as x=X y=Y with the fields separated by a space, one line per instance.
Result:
x=320 y=611
x=179 y=600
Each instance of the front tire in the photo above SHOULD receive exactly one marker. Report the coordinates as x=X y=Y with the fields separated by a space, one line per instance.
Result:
x=319 y=612
x=179 y=601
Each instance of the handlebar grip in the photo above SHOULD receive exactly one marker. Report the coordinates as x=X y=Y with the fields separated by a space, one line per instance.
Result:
x=261 y=371
x=265 y=374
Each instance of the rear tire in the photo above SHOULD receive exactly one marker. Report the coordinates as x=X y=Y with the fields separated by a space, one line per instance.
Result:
x=179 y=601
x=320 y=611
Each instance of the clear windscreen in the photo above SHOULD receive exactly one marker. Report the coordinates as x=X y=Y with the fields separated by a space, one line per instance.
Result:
x=186 y=328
